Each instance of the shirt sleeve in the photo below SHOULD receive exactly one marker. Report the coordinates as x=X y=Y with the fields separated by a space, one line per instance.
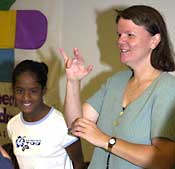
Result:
x=68 y=139
x=163 y=114
x=8 y=130
x=107 y=92
x=96 y=101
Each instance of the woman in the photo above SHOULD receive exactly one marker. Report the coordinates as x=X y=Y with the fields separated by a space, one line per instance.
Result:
x=130 y=119
x=39 y=132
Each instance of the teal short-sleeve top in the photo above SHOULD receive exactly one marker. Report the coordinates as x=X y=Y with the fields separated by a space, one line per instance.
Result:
x=151 y=115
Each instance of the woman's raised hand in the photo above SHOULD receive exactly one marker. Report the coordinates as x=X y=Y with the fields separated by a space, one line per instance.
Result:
x=75 y=68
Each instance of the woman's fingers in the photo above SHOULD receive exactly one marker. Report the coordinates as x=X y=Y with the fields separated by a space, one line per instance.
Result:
x=75 y=68
x=82 y=125
x=65 y=57
x=89 y=131
x=77 y=55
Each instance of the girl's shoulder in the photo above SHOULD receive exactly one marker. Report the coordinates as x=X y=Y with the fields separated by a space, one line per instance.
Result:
x=56 y=114
x=14 y=119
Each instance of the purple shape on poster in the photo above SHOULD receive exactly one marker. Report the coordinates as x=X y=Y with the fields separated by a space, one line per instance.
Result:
x=31 y=29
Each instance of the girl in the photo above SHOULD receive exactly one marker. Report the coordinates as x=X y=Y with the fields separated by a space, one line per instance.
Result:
x=39 y=133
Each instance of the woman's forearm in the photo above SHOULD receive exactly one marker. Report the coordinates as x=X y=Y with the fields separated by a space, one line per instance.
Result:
x=72 y=104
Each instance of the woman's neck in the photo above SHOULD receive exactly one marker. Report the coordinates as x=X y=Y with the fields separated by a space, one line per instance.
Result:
x=145 y=75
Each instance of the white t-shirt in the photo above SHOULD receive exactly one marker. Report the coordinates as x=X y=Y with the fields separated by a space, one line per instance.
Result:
x=41 y=144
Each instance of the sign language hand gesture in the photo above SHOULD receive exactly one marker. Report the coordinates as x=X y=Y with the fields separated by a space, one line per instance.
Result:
x=75 y=68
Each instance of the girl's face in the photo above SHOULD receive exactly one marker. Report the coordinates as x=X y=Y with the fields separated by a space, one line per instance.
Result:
x=28 y=94
x=135 y=43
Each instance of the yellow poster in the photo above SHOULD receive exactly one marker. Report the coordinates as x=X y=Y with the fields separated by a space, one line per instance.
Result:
x=7 y=109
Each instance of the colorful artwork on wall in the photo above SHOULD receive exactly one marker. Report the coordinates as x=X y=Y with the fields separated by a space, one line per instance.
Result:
x=20 y=29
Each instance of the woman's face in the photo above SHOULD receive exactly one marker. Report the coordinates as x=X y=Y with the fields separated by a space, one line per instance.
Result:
x=134 y=42
x=28 y=94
